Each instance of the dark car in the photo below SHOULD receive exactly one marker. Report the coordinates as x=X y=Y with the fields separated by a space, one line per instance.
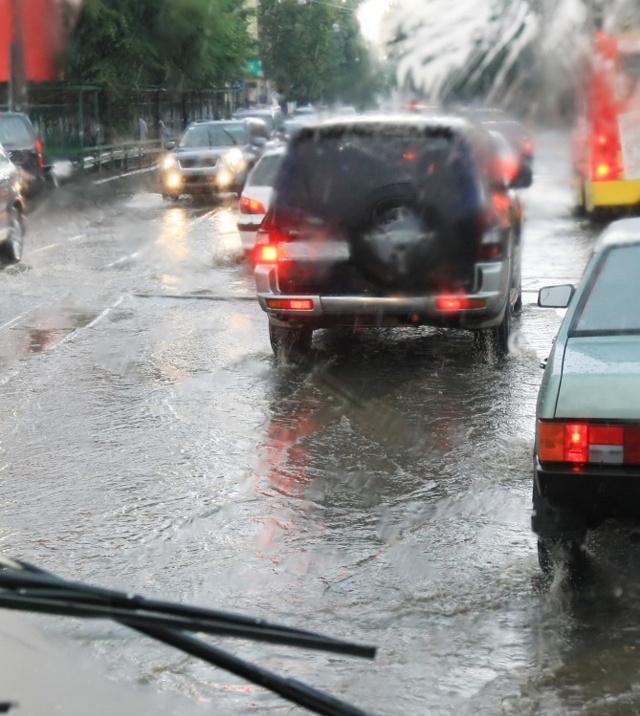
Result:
x=271 y=116
x=515 y=132
x=11 y=210
x=213 y=156
x=386 y=222
x=22 y=144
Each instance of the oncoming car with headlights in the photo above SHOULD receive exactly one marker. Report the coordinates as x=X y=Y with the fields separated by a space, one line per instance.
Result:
x=212 y=157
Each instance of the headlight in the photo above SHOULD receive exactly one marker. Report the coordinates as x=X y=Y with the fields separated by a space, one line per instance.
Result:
x=173 y=180
x=169 y=162
x=224 y=179
x=235 y=160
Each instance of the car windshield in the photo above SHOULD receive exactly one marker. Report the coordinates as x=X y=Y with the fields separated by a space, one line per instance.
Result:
x=228 y=134
x=265 y=171
x=14 y=132
x=612 y=303
x=271 y=322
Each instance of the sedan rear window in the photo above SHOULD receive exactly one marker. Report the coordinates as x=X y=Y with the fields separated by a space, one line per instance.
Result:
x=612 y=304
x=14 y=132
x=266 y=170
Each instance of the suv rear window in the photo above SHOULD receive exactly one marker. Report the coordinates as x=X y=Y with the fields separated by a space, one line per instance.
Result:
x=265 y=171
x=612 y=304
x=15 y=132
x=340 y=175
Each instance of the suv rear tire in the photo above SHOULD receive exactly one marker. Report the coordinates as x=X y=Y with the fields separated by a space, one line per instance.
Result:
x=496 y=339
x=290 y=343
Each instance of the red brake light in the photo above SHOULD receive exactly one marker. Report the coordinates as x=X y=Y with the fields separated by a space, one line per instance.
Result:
x=39 y=149
x=450 y=304
x=576 y=436
x=251 y=206
x=581 y=443
x=266 y=253
x=291 y=304
x=409 y=156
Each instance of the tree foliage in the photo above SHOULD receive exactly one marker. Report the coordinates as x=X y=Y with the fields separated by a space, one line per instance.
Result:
x=314 y=51
x=125 y=44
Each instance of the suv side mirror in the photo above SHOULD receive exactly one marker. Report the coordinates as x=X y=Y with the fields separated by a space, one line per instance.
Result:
x=523 y=179
x=170 y=144
x=259 y=142
x=556 y=296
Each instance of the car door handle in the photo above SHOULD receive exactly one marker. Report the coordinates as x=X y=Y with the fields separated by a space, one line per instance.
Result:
x=543 y=362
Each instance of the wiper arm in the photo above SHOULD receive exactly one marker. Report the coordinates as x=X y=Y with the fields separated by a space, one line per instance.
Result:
x=25 y=587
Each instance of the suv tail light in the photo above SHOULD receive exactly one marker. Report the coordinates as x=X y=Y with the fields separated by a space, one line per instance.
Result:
x=491 y=246
x=581 y=443
x=251 y=206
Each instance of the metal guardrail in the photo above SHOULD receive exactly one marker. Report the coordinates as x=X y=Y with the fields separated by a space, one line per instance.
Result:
x=124 y=156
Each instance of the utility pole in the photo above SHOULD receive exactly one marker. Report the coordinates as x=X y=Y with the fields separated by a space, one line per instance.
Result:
x=17 y=75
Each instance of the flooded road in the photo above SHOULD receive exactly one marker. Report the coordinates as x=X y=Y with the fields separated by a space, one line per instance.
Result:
x=148 y=441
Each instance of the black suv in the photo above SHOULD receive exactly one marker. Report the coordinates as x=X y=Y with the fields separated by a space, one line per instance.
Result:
x=21 y=143
x=213 y=156
x=11 y=210
x=391 y=221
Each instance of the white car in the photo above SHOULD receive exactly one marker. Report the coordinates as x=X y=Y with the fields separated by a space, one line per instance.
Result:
x=256 y=196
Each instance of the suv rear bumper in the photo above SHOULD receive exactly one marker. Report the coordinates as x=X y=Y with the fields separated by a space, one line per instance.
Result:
x=332 y=310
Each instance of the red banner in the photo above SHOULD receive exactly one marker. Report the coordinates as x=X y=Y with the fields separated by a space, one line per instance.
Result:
x=40 y=24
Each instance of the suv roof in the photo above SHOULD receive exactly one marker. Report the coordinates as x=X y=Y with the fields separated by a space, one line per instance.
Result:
x=418 y=122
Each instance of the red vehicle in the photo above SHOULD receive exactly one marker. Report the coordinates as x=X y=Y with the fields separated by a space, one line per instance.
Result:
x=607 y=139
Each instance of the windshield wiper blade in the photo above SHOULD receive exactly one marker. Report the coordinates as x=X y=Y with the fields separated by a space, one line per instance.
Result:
x=25 y=587
x=36 y=590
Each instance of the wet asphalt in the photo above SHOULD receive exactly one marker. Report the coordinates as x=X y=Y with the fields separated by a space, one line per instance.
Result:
x=149 y=441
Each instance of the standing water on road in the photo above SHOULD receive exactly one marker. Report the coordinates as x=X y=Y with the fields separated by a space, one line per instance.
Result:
x=383 y=494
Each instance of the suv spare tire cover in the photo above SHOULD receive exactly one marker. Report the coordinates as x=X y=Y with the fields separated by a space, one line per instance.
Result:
x=395 y=244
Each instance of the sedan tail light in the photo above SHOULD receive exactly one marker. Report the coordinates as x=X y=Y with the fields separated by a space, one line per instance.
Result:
x=39 y=150
x=251 y=206
x=581 y=443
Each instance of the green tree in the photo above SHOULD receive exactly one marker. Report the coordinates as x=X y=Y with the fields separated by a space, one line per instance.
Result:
x=125 y=44
x=314 y=51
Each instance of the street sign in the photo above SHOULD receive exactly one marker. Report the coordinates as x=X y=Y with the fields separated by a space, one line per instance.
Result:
x=254 y=67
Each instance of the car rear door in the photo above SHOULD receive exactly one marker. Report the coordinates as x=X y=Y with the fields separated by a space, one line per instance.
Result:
x=381 y=210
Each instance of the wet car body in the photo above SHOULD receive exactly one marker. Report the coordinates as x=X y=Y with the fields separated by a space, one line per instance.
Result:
x=390 y=221
x=213 y=156
x=11 y=209
x=21 y=143
x=587 y=455
x=257 y=195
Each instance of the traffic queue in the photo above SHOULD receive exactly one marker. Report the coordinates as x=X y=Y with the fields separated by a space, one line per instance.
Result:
x=416 y=219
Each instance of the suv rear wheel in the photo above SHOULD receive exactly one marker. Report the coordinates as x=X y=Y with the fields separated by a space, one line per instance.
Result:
x=290 y=343
x=496 y=339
